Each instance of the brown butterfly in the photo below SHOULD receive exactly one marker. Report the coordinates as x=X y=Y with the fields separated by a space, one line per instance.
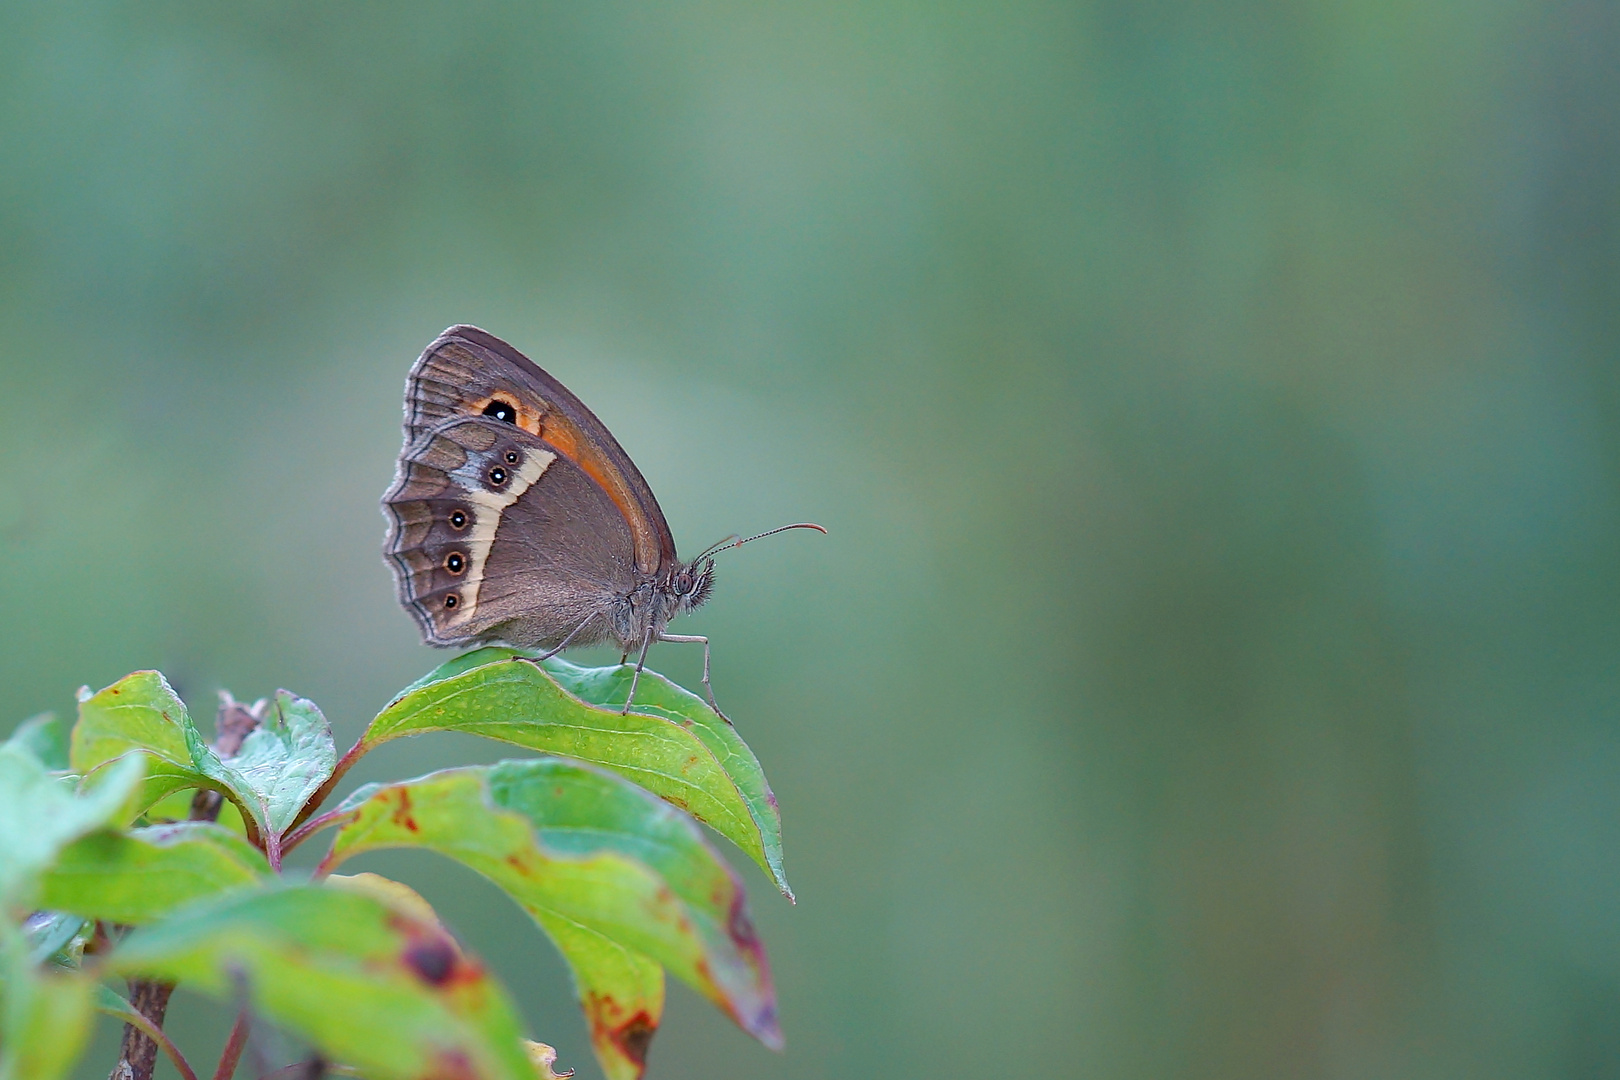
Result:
x=515 y=515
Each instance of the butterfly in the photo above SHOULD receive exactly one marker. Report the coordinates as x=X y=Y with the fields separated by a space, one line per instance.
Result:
x=515 y=515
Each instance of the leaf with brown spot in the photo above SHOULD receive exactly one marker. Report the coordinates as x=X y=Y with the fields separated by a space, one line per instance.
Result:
x=361 y=979
x=138 y=716
x=620 y=989
x=622 y=881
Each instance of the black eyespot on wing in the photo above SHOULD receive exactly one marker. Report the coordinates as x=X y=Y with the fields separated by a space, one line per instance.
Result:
x=455 y=562
x=458 y=519
x=511 y=457
x=497 y=476
x=502 y=411
x=451 y=600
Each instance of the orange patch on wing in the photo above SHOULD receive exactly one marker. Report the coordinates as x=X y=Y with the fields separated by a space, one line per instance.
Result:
x=567 y=440
x=527 y=419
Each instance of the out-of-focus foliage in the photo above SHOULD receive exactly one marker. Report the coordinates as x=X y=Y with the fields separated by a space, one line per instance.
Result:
x=1210 y=669
x=371 y=987
x=622 y=880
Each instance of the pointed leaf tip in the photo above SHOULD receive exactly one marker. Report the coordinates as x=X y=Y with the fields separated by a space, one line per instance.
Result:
x=673 y=744
x=621 y=880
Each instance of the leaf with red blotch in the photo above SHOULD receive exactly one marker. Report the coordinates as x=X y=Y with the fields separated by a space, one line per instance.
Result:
x=364 y=981
x=624 y=881
x=620 y=989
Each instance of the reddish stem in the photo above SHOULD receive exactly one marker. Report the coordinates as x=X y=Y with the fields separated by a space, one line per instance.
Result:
x=310 y=828
x=233 y=1048
x=344 y=764
x=325 y=867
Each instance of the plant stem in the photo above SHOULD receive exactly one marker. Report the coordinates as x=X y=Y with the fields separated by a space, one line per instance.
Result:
x=233 y=1047
x=298 y=1070
x=310 y=828
x=344 y=764
x=166 y=1044
x=137 y=1055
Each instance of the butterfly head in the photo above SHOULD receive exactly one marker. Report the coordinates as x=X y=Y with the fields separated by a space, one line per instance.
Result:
x=692 y=582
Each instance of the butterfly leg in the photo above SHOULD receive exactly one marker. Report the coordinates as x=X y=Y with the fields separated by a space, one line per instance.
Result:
x=536 y=660
x=636 y=677
x=707 y=688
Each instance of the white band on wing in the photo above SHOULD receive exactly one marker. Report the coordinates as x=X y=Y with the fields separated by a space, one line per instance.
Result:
x=486 y=518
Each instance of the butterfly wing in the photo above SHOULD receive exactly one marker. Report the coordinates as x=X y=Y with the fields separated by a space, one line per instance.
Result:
x=467 y=372
x=495 y=535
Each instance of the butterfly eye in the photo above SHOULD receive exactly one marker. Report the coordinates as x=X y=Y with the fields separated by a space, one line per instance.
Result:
x=511 y=457
x=458 y=519
x=455 y=562
x=497 y=476
x=502 y=411
x=451 y=600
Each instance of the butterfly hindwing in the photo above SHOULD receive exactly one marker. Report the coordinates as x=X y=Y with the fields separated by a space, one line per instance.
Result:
x=493 y=533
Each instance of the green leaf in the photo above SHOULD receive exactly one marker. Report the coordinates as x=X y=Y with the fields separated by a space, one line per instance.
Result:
x=40 y=814
x=141 y=875
x=621 y=991
x=673 y=745
x=113 y=1003
x=46 y=737
x=44 y=1015
x=368 y=985
x=138 y=712
x=139 y=715
x=582 y=845
x=282 y=762
x=50 y=937
x=280 y=765
x=660 y=696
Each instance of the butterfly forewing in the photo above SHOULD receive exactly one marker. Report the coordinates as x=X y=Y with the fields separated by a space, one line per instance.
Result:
x=467 y=372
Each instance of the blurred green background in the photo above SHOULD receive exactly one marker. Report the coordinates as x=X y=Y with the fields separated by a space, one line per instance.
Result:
x=1211 y=670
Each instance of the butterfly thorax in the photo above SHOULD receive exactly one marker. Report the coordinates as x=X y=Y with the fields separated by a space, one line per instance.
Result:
x=653 y=604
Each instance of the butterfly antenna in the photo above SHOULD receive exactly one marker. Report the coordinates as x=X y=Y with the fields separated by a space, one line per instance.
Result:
x=732 y=541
